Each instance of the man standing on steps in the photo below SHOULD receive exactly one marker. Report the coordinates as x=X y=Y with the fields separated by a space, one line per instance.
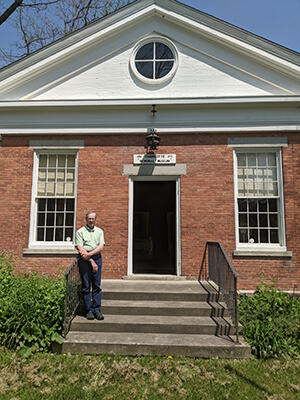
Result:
x=89 y=241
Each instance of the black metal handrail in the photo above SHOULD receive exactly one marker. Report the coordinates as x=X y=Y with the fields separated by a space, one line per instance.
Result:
x=72 y=294
x=217 y=267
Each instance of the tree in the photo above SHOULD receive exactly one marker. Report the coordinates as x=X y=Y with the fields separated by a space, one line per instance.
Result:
x=40 y=22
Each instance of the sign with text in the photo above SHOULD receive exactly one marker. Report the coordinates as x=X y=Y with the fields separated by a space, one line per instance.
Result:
x=154 y=159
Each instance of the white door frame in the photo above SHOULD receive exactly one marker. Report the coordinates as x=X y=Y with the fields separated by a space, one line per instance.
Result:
x=133 y=179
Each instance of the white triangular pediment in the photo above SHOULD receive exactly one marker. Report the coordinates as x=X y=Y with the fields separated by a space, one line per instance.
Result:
x=96 y=66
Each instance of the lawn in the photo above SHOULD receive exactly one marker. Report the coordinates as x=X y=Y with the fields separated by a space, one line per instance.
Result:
x=58 y=376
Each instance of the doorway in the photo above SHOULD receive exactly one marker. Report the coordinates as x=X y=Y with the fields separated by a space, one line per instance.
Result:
x=154 y=227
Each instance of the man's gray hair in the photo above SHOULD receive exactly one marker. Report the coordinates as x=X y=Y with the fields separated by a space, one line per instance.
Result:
x=90 y=212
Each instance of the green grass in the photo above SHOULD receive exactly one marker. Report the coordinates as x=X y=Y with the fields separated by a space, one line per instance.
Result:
x=58 y=376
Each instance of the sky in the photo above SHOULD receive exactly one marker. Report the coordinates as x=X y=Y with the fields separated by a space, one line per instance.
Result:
x=275 y=20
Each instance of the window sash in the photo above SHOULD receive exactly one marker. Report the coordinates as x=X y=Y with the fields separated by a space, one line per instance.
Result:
x=54 y=198
x=259 y=198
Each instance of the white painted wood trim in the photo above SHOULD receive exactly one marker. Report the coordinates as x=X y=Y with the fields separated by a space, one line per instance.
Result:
x=132 y=179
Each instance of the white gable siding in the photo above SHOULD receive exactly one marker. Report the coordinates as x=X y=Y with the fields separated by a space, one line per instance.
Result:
x=206 y=69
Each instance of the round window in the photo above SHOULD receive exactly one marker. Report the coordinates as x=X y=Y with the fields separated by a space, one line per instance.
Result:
x=155 y=60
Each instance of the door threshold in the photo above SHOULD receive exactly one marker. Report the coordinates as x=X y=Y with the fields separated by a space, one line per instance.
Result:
x=153 y=277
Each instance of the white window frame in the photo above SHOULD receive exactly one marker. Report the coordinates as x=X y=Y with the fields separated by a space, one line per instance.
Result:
x=133 y=179
x=150 y=39
x=33 y=243
x=261 y=247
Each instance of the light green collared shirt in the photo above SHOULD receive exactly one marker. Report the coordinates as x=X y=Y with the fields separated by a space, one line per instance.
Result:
x=89 y=238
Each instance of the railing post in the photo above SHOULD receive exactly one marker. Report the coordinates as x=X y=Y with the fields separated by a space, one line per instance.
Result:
x=219 y=267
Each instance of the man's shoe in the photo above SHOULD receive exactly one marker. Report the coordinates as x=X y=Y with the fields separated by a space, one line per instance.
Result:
x=99 y=316
x=90 y=315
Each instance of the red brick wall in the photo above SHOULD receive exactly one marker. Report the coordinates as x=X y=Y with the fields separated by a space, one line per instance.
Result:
x=207 y=202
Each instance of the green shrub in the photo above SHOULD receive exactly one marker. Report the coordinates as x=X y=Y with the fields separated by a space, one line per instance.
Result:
x=271 y=322
x=31 y=309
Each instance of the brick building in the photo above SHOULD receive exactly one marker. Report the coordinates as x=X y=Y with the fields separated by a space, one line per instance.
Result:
x=226 y=105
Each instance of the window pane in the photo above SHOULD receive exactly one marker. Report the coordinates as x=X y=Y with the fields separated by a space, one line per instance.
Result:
x=272 y=205
x=271 y=159
x=51 y=189
x=42 y=175
x=52 y=160
x=69 y=189
x=69 y=234
x=243 y=220
x=254 y=235
x=41 y=219
x=243 y=235
x=274 y=220
x=60 y=219
x=163 y=52
x=59 y=235
x=263 y=220
x=60 y=205
x=71 y=161
x=274 y=236
x=272 y=188
x=50 y=204
x=41 y=189
x=253 y=220
x=242 y=189
x=146 y=52
x=50 y=219
x=252 y=205
x=61 y=160
x=60 y=175
x=51 y=175
x=49 y=234
x=263 y=205
x=60 y=189
x=145 y=69
x=69 y=219
x=162 y=68
x=41 y=204
x=40 y=234
x=241 y=159
x=70 y=175
x=242 y=205
x=43 y=160
x=251 y=159
x=70 y=204
x=264 y=237
x=262 y=159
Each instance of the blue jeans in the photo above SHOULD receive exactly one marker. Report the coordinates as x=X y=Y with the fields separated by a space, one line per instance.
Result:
x=88 y=278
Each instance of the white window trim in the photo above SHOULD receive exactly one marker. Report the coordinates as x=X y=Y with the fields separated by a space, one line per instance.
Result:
x=42 y=246
x=266 y=249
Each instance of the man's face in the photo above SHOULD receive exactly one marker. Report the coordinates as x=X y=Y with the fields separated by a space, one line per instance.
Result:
x=90 y=220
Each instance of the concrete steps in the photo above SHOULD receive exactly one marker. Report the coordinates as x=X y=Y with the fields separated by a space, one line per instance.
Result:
x=157 y=317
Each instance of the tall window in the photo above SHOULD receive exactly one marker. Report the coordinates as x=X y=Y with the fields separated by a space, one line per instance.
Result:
x=54 y=202
x=259 y=198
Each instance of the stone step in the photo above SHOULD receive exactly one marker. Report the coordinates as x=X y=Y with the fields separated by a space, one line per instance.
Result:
x=173 y=317
x=153 y=290
x=135 y=344
x=147 y=324
x=151 y=307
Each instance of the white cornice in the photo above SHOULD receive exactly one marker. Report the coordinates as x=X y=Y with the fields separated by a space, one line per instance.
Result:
x=143 y=131
x=254 y=100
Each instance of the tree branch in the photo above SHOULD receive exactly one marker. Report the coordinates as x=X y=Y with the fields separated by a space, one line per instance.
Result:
x=10 y=11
